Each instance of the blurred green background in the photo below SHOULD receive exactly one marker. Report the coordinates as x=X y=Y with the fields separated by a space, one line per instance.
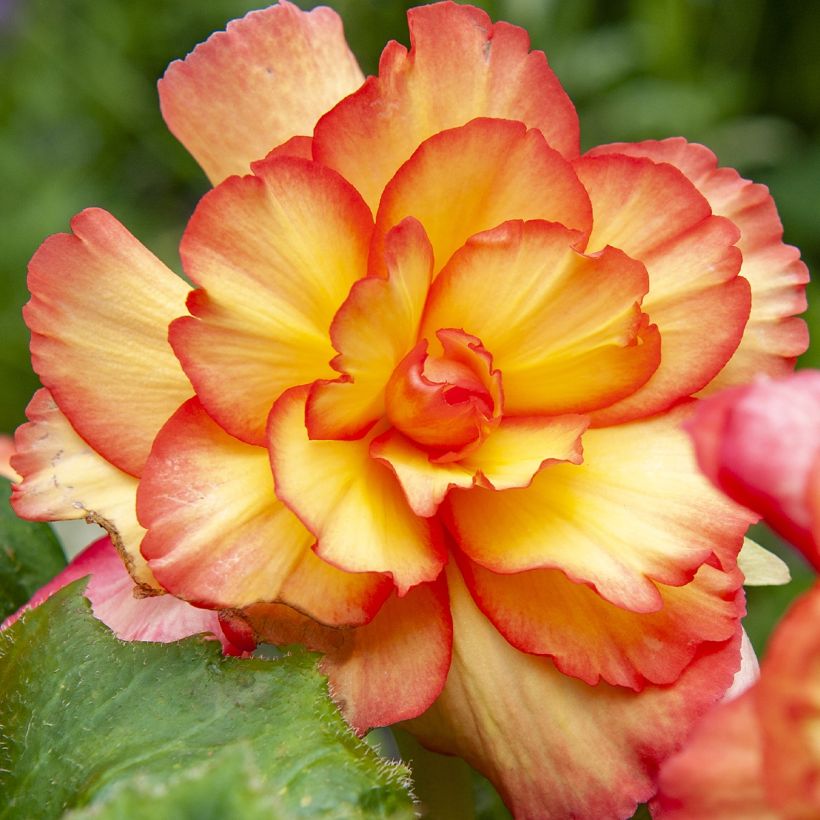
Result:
x=80 y=124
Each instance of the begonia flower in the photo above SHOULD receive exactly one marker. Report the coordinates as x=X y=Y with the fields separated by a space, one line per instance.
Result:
x=759 y=756
x=422 y=411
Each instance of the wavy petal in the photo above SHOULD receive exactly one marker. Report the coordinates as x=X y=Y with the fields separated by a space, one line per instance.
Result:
x=700 y=305
x=63 y=478
x=509 y=457
x=460 y=66
x=267 y=78
x=99 y=312
x=565 y=329
x=470 y=179
x=276 y=254
x=541 y=612
x=774 y=337
x=374 y=329
x=351 y=502
x=635 y=512
x=218 y=536
x=552 y=745
x=761 y=444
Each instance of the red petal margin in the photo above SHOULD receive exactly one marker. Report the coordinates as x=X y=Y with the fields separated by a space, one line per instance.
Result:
x=496 y=171
x=760 y=444
x=99 y=312
x=267 y=78
x=218 y=536
x=652 y=212
x=110 y=589
x=392 y=669
x=552 y=745
x=276 y=254
x=773 y=337
x=460 y=66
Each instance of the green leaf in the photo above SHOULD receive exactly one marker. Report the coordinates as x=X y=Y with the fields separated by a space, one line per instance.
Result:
x=30 y=556
x=111 y=729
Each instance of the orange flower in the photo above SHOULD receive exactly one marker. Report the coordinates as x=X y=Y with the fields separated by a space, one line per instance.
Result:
x=424 y=413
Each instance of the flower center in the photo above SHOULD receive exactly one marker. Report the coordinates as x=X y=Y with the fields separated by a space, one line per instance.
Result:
x=447 y=403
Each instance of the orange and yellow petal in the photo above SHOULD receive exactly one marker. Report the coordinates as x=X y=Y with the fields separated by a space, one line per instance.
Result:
x=566 y=330
x=217 y=534
x=472 y=178
x=542 y=612
x=552 y=745
x=276 y=254
x=374 y=329
x=352 y=503
x=773 y=337
x=509 y=457
x=655 y=214
x=637 y=511
x=64 y=478
x=99 y=312
x=460 y=66
x=267 y=78
x=760 y=444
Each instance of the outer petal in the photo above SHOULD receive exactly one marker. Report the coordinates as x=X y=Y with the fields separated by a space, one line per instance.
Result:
x=718 y=773
x=352 y=503
x=636 y=511
x=113 y=600
x=269 y=77
x=460 y=66
x=64 y=478
x=218 y=536
x=543 y=613
x=553 y=746
x=509 y=457
x=373 y=331
x=276 y=254
x=391 y=669
x=99 y=313
x=653 y=213
x=773 y=337
x=469 y=179
x=760 y=444
x=565 y=329
x=6 y=452
x=788 y=704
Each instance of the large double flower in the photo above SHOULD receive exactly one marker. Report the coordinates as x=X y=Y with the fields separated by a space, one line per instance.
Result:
x=423 y=409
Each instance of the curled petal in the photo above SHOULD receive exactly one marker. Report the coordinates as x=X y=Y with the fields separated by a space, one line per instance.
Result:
x=276 y=255
x=761 y=445
x=99 y=312
x=551 y=744
x=460 y=66
x=543 y=613
x=509 y=457
x=656 y=215
x=130 y=616
x=773 y=337
x=373 y=330
x=63 y=478
x=636 y=511
x=351 y=502
x=269 y=77
x=565 y=329
x=218 y=535
x=519 y=177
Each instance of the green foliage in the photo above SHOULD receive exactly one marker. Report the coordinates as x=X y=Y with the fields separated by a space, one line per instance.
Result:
x=30 y=556
x=112 y=729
